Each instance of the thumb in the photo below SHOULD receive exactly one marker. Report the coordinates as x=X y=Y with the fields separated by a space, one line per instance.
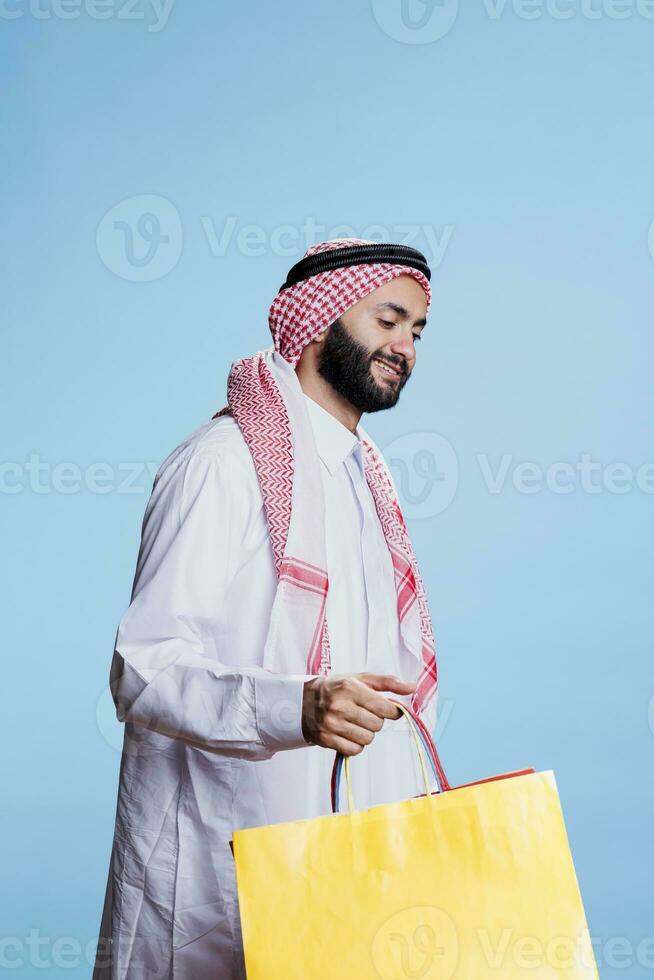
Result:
x=387 y=682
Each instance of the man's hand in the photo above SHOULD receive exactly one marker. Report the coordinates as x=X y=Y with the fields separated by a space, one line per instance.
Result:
x=343 y=711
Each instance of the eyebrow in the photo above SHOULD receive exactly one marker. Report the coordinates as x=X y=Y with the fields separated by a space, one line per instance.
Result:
x=401 y=311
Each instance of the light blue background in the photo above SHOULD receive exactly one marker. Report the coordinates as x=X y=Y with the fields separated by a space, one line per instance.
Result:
x=529 y=143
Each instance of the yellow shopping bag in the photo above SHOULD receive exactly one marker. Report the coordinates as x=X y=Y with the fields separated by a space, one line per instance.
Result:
x=464 y=884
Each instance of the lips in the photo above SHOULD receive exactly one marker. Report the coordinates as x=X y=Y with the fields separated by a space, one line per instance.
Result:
x=389 y=370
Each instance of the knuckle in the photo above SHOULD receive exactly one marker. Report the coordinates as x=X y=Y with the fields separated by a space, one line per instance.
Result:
x=369 y=721
x=331 y=723
x=337 y=709
x=379 y=706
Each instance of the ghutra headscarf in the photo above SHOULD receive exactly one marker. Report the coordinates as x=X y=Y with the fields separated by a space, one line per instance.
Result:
x=266 y=400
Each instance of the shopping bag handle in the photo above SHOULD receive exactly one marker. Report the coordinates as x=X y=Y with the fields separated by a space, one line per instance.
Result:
x=423 y=742
x=428 y=743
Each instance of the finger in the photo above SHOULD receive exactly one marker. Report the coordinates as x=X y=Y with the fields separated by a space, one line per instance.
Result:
x=394 y=711
x=339 y=742
x=387 y=682
x=345 y=747
x=352 y=711
x=352 y=732
x=376 y=703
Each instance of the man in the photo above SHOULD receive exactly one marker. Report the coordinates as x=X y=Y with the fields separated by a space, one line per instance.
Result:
x=276 y=602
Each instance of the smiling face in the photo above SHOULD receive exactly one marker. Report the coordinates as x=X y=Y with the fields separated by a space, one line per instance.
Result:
x=370 y=351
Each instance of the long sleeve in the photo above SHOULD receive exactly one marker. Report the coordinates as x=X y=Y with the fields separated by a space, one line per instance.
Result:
x=168 y=673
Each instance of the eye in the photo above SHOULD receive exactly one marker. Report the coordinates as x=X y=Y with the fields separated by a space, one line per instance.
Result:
x=387 y=323
x=417 y=336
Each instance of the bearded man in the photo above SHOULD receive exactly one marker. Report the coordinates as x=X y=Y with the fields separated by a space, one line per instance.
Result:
x=276 y=601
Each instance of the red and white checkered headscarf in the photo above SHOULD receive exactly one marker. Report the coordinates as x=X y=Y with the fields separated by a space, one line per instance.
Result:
x=266 y=400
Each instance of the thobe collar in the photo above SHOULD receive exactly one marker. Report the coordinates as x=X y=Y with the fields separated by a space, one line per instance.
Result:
x=334 y=441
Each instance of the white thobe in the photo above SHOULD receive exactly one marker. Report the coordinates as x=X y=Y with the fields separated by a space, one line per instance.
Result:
x=213 y=742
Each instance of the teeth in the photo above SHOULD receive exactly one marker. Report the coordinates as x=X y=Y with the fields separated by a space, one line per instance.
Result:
x=388 y=370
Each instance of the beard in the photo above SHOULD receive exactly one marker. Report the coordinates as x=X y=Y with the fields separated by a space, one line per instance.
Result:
x=347 y=366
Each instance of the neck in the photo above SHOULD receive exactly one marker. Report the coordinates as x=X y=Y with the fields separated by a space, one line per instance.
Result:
x=332 y=401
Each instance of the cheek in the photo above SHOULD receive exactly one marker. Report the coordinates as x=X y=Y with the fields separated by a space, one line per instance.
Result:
x=374 y=338
x=370 y=340
x=367 y=333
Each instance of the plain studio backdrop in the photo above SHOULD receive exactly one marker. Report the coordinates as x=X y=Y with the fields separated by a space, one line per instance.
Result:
x=164 y=165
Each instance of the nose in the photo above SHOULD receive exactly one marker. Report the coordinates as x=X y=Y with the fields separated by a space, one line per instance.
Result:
x=404 y=346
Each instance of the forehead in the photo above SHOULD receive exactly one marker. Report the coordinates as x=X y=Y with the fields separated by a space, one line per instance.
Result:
x=403 y=290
